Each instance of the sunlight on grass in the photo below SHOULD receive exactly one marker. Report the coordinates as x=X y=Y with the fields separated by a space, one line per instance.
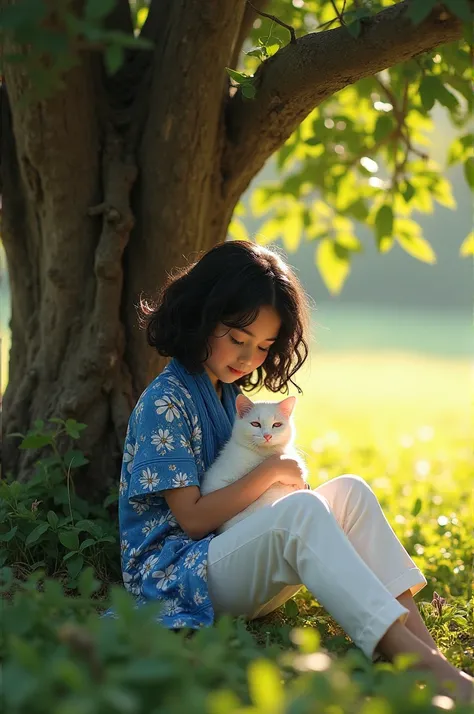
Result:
x=404 y=423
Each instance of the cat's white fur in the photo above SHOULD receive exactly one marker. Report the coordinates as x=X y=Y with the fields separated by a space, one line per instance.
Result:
x=247 y=448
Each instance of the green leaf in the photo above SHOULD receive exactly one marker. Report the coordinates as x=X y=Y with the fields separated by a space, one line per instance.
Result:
x=248 y=90
x=416 y=507
x=349 y=242
x=258 y=52
x=383 y=127
x=442 y=193
x=53 y=519
x=272 y=49
x=456 y=152
x=408 y=191
x=460 y=84
x=265 y=686
x=354 y=20
x=6 y=537
x=74 y=428
x=74 y=458
x=35 y=441
x=358 y=209
x=70 y=555
x=87 y=543
x=113 y=58
x=111 y=498
x=418 y=247
x=69 y=539
x=384 y=222
x=75 y=565
x=292 y=230
x=419 y=10
x=334 y=269
x=353 y=28
x=142 y=15
x=446 y=98
x=269 y=231
x=291 y=609
x=284 y=153
x=36 y=533
x=238 y=77
x=469 y=171
x=90 y=527
x=467 y=247
x=429 y=87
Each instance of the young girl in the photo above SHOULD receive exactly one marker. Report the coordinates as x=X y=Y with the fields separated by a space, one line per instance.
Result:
x=238 y=319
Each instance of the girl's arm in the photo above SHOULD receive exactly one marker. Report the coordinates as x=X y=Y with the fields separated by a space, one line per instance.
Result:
x=200 y=515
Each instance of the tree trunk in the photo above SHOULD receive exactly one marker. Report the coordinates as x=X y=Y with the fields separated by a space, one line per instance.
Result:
x=82 y=246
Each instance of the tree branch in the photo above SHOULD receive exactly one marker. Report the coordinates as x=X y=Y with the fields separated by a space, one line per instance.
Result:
x=301 y=76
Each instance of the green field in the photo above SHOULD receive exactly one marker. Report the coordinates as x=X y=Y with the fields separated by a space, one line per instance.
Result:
x=404 y=423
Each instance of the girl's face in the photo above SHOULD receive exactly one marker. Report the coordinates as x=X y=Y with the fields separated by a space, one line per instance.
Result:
x=237 y=352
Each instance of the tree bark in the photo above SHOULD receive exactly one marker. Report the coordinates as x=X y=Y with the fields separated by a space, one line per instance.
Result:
x=114 y=181
x=69 y=167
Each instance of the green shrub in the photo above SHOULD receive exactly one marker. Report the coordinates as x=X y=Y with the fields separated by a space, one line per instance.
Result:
x=61 y=658
x=45 y=524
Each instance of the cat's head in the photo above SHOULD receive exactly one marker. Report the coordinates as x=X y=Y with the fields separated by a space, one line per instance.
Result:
x=264 y=426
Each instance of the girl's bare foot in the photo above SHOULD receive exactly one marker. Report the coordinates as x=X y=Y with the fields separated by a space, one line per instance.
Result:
x=451 y=681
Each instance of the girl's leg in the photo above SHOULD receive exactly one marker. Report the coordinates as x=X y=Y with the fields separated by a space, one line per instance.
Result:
x=298 y=541
x=360 y=516
x=414 y=621
x=400 y=640
x=358 y=512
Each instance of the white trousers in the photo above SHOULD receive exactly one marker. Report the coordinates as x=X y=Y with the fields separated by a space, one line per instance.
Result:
x=336 y=541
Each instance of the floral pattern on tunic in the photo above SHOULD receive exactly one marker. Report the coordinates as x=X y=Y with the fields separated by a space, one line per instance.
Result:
x=163 y=450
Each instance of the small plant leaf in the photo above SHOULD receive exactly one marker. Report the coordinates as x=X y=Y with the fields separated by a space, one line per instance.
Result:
x=36 y=533
x=69 y=539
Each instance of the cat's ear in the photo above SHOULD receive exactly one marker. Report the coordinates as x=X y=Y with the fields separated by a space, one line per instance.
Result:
x=286 y=406
x=243 y=405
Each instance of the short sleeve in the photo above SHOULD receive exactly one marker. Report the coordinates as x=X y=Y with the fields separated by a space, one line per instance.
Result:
x=164 y=456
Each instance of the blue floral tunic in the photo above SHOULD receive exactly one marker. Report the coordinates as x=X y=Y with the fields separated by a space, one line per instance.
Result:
x=163 y=450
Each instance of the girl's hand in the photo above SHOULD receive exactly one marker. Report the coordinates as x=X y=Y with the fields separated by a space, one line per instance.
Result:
x=285 y=470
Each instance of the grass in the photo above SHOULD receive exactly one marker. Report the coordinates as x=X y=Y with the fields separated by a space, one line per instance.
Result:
x=400 y=421
x=404 y=423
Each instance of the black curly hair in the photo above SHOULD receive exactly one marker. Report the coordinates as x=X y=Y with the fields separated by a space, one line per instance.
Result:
x=229 y=284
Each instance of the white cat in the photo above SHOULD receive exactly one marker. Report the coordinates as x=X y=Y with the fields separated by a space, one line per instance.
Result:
x=260 y=430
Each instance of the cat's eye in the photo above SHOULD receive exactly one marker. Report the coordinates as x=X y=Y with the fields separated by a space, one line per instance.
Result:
x=277 y=424
x=255 y=423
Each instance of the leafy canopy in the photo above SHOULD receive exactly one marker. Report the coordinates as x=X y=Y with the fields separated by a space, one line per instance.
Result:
x=362 y=155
